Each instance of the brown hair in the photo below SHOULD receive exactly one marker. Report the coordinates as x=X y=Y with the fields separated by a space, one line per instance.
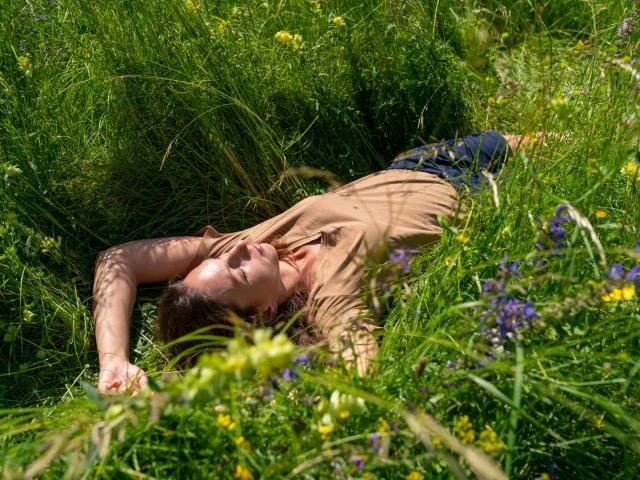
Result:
x=184 y=310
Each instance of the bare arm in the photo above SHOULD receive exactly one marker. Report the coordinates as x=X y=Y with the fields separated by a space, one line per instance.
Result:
x=356 y=346
x=118 y=272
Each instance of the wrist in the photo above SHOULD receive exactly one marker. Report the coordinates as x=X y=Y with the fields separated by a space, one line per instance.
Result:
x=108 y=357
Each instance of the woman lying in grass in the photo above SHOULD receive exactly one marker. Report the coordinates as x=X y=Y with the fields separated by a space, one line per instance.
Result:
x=301 y=258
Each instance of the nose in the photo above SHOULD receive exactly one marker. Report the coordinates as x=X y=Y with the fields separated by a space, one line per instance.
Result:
x=240 y=247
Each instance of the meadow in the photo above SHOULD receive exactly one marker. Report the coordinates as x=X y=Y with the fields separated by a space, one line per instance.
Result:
x=511 y=348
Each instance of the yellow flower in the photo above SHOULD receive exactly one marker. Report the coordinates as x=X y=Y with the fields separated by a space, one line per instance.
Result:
x=606 y=298
x=297 y=39
x=436 y=441
x=616 y=294
x=448 y=260
x=242 y=473
x=238 y=440
x=628 y=291
x=545 y=476
x=462 y=238
x=225 y=421
x=383 y=426
x=325 y=430
x=344 y=414
x=23 y=62
x=489 y=443
x=601 y=214
x=631 y=169
x=414 y=476
x=468 y=437
x=193 y=7
x=463 y=423
x=235 y=11
x=283 y=37
x=339 y=21
x=580 y=45
x=223 y=25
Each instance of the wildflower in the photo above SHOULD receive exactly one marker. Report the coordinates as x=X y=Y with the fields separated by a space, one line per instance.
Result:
x=238 y=440
x=436 y=441
x=23 y=62
x=552 y=233
x=415 y=475
x=616 y=272
x=301 y=360
x=402 y=258
x=489 y=442
x=358 y=462
x=452 y=364
x=290 y=375
x=504 y=35
x=339 y=21
x=296 y=40
x=22 y=46
x=631 y=169
x=36 y=17
x=626 y=28
x=51 y=2
x=580 y=45
x=225 y=422
x=638 y=245
x=235 y=10
x=374 y=440
x=242 y=473
x=463 y=423
x=448 y=260
x=601 y=214
x=383 y=426
x=193 y=7
x=325 y=430
x=284 y=37
x=222 y=26
x=11 y=170
x=462 y=238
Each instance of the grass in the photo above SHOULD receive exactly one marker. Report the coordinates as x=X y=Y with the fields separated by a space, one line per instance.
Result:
x=144 y=119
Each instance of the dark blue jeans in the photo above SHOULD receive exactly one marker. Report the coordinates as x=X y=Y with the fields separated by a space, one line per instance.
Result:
x=458 y=161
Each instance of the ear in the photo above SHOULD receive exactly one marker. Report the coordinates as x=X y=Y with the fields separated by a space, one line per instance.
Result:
x=270 y=312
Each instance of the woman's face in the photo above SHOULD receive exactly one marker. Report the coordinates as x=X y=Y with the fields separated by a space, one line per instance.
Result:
x=247 y=276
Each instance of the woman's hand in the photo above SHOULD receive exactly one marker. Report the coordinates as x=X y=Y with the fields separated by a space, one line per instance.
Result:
x=121 y=375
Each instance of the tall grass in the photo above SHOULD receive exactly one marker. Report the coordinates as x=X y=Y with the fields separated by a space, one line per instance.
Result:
x=142 y=119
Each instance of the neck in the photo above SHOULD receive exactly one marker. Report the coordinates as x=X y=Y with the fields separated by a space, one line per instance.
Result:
x=295 y=274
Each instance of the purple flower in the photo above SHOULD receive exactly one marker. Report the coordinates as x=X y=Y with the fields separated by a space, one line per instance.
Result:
x=452 y=364
x=553 y=233
x=290 y=375
x=633 y=274
x=559 y=213
x=638 y=245
x=627 y=27
x=22 y=46
x=358 y=462
x=36 y=16
x=301 y=360
x=374 y=440
x=51 y=2
x=616 y=272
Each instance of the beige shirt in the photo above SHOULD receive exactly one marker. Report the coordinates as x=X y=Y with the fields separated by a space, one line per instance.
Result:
x=396 y=206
